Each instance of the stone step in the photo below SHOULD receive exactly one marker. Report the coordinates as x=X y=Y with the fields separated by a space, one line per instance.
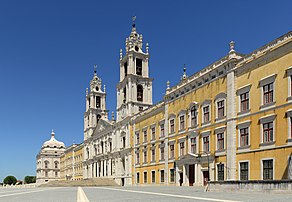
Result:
x=81 y=183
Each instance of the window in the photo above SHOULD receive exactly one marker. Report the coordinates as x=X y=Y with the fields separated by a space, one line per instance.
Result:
x=140 y=93
x=268 y=132
x=137 y=138
x=138 y=157
x=206 y=143
x=56 y=164
x=290 y=128
x=153 y=133
x=138 y=178
x=162 y=130
x=46 y=173
x=162 y=152
x=171 y=175
x=244 y=136
x=46 y=164
x=145 y=135
x=220 y=141
x=182 y=122
x=161 y=176
x=220 y=169
x=125 y=94
x=171 y=153
x=97 y=102
x=153 y=176
x=145 y=177
x=206 y=114
x=126 y=68
x=124 y=141
x=138 y=66
x=140 y=109
x=244 y=101
x=220 y=108
x=153 y=154
x=56 y=174
x=181 y=148
x=268 y=93
x=111 y=145
x=268 y=169
x=145 y=156
x=243 y=170
x=193 y=116
x=193 y=145
x=171 y=125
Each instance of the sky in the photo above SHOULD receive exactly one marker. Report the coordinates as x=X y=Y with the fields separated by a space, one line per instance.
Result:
x=48 y=49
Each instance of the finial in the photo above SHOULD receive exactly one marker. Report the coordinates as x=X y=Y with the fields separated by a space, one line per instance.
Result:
x=231 y=47
x=147 y=48
x=184 y=74
x=86 y=91
x=167 y=85
x=104 y=89
x=121 y=54
x=53 y=134
x=133 y=21
x=113 y=115
x=95 y=67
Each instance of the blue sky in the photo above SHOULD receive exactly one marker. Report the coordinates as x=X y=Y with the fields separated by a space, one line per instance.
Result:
x=48 y=49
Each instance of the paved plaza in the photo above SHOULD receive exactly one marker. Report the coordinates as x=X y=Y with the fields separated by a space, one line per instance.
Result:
x=132 y=194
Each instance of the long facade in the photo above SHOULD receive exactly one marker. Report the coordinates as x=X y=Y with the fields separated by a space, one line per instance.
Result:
x=232 y=120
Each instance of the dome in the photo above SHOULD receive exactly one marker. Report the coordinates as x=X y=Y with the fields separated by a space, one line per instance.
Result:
x=53 y=143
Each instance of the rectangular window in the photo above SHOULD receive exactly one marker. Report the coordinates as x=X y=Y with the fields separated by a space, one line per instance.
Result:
x=243 y=170
x=268 y=169
x=137 y=138
x=162 y=176
x=181 y=148
x=153 y=155
x=162 y=153
x=243 y=137
x=182 y=122
x=153 y=133
x=124 y=142
x=162 y=130
x=145 y=156
x=145 y=177
x=268 y=93
x=268 y=132
x=193 y=145
x=138 y=178
x=145 y=136
x=153 y=176
x=171 y=175
x=206 y=113
x=138 y=66
x=206 y=143
x=171 y=126
x=244 y=101
x=46 y=173
x=138 y=157
x=220 y=106
x=220 y=169
x=220 y=141
x=171 y=148
x=193 y=116
x=56 y=174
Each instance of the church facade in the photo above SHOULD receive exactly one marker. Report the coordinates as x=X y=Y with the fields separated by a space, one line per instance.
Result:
x=232 y=120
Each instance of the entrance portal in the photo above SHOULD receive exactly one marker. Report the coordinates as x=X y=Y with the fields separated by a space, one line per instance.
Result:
x=191 y=174
x=206 y=177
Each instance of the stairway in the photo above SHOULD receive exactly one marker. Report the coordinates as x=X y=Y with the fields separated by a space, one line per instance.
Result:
x=81 y=183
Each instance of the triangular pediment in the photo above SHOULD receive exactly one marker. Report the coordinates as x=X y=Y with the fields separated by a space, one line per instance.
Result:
x=102 y=125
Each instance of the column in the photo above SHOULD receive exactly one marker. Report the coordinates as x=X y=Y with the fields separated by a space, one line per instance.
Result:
x=166 y=147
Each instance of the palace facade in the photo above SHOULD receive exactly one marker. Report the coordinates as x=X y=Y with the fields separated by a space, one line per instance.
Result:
x=232 y=120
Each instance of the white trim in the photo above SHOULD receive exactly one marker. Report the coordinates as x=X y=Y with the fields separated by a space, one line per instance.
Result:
x=262 y=132
x=216 y=169
x=242 y=126
x=244 y=161
x=152 y=178
x=205 y=104
x=262 y=83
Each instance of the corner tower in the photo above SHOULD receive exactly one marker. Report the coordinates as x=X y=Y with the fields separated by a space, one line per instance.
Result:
x=95 y=105
x=134 y=91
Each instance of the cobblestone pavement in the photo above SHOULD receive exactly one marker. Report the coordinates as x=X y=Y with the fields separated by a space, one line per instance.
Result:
x=131 y=194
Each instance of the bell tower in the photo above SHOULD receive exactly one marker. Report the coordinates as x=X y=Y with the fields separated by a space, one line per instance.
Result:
x=134 y=91
x=95 y=105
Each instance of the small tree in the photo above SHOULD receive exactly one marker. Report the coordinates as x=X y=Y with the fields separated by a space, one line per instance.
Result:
x=29 y=179
x=10 y=180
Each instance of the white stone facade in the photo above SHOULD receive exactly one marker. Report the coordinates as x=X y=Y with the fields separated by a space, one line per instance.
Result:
x=48 y=160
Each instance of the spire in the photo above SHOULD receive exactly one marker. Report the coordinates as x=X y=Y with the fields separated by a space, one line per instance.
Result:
x=53 y=134
x=231 y=47
x=134 y=22
x=184 y=74
x=167 y=85
x=95 y=67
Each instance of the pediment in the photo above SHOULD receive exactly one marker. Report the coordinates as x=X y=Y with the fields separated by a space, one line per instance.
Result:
x=102 y=125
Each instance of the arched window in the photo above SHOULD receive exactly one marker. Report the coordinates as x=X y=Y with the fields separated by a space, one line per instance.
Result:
x=87 y=150
x=193 y=116
x=46 y=164
x=97 y=118
x=138 y=66
x=56 y=164
x=125 y=92
x=140 y=93
x=97 y=101
x=126 y=68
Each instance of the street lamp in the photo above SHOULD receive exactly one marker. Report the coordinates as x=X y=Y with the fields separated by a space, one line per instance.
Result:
x=199 y=157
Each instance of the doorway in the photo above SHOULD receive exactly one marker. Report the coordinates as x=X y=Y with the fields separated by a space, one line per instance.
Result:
x=181 y=179
x=191 y=175
x=206 y=177
x=123 y=181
